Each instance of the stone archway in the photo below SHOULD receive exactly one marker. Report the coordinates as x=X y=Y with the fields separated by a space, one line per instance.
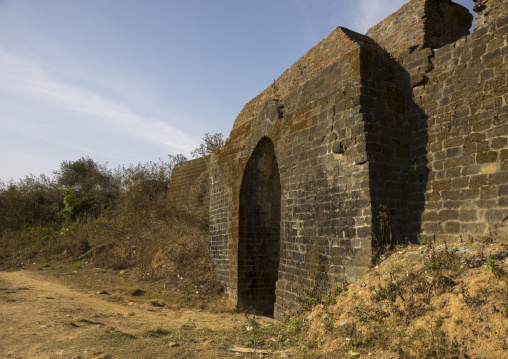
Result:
x=259 y=229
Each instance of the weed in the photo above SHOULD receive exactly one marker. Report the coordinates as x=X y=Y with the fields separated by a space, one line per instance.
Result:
x=77 y=265
x=411 y=172
x=433 y=265
x=492 y=266
x=155 y=332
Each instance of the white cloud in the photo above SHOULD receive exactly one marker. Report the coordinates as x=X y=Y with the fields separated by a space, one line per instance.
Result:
x=34 y=101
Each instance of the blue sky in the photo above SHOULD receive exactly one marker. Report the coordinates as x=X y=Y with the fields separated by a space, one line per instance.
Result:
x=128 y=81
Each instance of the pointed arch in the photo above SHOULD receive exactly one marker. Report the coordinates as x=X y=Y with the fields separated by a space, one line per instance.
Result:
x=259 y=229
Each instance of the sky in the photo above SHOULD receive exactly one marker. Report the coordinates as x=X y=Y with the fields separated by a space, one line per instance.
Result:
x=129 y=81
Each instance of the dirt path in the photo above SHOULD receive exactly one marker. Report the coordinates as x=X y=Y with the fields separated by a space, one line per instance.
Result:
x=41 y=318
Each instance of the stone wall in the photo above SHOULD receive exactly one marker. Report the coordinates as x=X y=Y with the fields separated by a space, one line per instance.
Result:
x=488 y=11
x=188 y=188
x=462 y=170
x=360 y=145
x=318 y=138
x=433 y=23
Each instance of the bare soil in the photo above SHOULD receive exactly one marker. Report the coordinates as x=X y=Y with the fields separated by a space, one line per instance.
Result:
x=51 y=314
x=447 y=301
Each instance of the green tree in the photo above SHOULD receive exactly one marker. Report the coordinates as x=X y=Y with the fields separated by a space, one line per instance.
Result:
x=89 y=187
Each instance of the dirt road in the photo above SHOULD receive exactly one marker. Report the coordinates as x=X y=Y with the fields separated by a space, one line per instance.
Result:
x=42 y=318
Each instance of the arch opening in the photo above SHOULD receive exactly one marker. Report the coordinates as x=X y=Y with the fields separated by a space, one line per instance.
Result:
x=259 y=230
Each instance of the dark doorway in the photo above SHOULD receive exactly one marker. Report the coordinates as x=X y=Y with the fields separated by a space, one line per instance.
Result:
x=259 y=230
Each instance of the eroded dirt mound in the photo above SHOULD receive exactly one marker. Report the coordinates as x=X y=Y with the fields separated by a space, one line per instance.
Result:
x=445 y=301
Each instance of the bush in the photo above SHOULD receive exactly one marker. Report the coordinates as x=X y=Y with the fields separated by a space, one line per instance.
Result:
x=32 y=201
x=117 y=219
x=88 y=187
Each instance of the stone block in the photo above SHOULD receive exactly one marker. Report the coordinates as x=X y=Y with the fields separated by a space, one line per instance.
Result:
x=503 y=190
x=485 y=157
x=467 y=215
x=447 y=214
x=478 y=181
x=452 y=227
x=469 y=194
x=473 y=228
x=498 y=178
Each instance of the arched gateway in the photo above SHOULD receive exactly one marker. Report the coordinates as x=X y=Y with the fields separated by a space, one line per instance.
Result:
x=259 y=229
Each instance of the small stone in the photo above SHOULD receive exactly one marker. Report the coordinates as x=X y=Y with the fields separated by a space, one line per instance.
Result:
x=418 y=80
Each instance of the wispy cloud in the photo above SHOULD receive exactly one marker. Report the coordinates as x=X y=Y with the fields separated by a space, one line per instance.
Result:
x=33 y=99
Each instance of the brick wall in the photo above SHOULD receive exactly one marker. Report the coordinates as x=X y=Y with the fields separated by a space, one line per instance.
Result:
x=489 y=11
x=433 y=23
x=462 y=160
x=188 y=187
x=354 y=148
x=317 y=130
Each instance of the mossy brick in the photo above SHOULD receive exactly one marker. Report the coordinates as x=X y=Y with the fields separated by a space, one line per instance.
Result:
x=486 y=157
x=503 y=155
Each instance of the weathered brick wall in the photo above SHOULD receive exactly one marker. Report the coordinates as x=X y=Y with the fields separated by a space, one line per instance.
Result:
x=388 y=134
x=318 y=135
x=188 y=187
x=353 y=148
x=462 y=170
x=433 y=23
x=489 y=11
x=338 y=43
